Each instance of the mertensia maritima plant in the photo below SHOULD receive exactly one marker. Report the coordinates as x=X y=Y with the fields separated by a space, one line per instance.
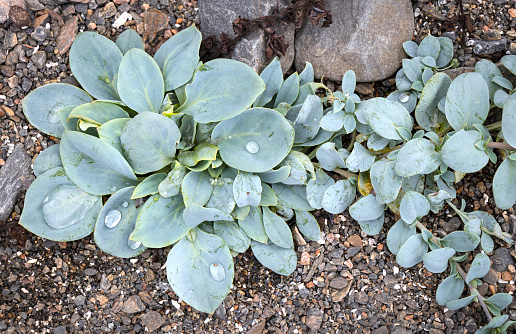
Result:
x=213 y=158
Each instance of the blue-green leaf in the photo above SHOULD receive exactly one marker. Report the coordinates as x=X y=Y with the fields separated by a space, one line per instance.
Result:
x=460 y=153
x=115 y=224
x=272 y=76
x=201 y=272
x=195 y=214
x=398 y=235
x=171 y=185
x=366 y=208
x=410 y=48
x=509 y=122
x=233 y=235
x=217 y=93
x=149 y=142
x=93 y=165
x=316 y=188
x=386 y=183
x=461 y=241
x=307 y=75
x=427 y=113
x=282 y=261
x=384 y=116
x=149 y=186
x=446 y=52
x=488 y=70
x=412 y=251
x=308 y=225
x=128 y=40
x=247 y=189
x=500 y=300
x=254 y=141
x=56 y=209
x=479 y=267
x=372 y=227
x=349 y=82
x=178 y=57
x=47 y=160
x=94 y=61
x=306 y=125
x=338 y=196
x=467 y=101
x=360 y=159
x=98 y=112
x=460 y=303
x=277 y=230
x=253 y=226
x=449 y=289
x=417 y=156
x=504 y=184
x=413 y=205
x=436 y=261
x=160 y=222
x=292 y=196
x=140 y=83
x=42 y=106
x=197 y=188
x=289 y=90
x=329 y=158
x=111 y=131
x=429 y=46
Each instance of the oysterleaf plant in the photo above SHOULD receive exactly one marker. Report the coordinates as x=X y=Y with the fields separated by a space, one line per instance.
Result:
x=212 y=158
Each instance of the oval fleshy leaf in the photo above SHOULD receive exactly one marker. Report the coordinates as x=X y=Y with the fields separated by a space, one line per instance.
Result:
x=47 y=160
x=479 y=267
x=93 y=165
x=366 y=208
x=253 y=226
x=149 y=186
x=128 y=40
x=412 y=251
x=40 y=193
x=385 y=116
x=460 y=153
x=277 y=230
x=398 y=234
x=140 y=83
x=217 y=92
x=94 y=61
x=413 y=205
x=247 y=189
x=201 y=272
x=149 y=142
x=427 y=112
x=436 y=261
x=504 y=184
x=42 y=106
x=254 y=141
x=282 y=261
x=115 y=224
x=385 y=181
x=449 y=289
x=233 y=235
x=338 y=197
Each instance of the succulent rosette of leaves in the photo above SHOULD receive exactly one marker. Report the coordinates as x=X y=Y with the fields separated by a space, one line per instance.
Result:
x=213 y=159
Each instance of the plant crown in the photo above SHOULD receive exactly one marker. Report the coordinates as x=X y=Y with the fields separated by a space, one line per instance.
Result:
x=213 y=159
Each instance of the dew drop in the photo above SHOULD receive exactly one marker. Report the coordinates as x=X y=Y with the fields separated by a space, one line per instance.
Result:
x=404 y=98
x=217 y=272
x=252 y=147
x=112 y=219
x=125 y=204
x=112 y=189
x=133 y=244
x=53 y=117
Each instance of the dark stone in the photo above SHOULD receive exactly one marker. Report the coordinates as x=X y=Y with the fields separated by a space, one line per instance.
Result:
x=19 y=16
x=60 y=330
x=381 y=330
x=339 y=283
x=481 y=47
x=79 y=300
x=365 y=36
x=217 y=17
x=451 y=224
x=361 y=298
x=501 y=259
x=220 y=313
x=257 y=329
x=133 y=305
x=34 y=5
x=10 y=40
x=152 y=320
x=90 y=271
x=15 y=176
x=39 y=59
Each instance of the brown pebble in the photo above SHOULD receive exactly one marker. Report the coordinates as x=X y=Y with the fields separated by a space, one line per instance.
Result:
x=19 y=16
x=7 y=111
x=2 y=162
x=145 y=7
x=39 y=20
x=511 y=269
x=305 y=259
x=512 y=12
x=506 y=276
x=510 y=288
x=179 y=20
x=92 y=25
x=355 y=241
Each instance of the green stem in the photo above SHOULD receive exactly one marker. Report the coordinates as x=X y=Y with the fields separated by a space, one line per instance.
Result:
x=473 y=290
x=339 y=171
x=494 y=126
x=353 y=137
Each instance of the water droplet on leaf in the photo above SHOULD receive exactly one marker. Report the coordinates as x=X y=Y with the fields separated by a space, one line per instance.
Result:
x=53 y=117
x=125 y=204
x=133 y=244
x=404 y=98
x=252 y=147
x=217 y=272
x=112 y=218
x=112 y=189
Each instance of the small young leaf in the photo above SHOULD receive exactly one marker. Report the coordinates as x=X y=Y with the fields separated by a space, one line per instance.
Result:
x=436 y=261
x=413 y=205
x=461 y=241
x=449 y=289
x=308 y=225
x=412 y=251
x=282 y=261
x=460 y=303
x=398 y=235
x=479 y=267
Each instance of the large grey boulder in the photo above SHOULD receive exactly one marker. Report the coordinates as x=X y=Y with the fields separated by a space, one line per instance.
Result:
x=365 y=36
x=15 y=176
x=217 y=16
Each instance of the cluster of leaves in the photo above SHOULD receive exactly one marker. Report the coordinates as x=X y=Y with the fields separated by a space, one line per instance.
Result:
x=214 y=159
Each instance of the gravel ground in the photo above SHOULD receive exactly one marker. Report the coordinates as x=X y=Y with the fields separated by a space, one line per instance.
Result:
x=348 y=284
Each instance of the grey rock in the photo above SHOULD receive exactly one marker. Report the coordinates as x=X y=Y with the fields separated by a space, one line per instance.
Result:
x=26 y=85
x=314 y=318
x=105 y=284
x=400 y=330
x=491 y=277
x=361 y=298
x=451 y=224
x=5 y=7
x=365 y=36
x=257 y=329
x=60 y=330
x=217 y=17
x=90 y=272
x=39 y=34
x=10 y=40
x=338 y=283
x=34 y=5
x=501 y=259
x=15 y=176
x=220 y=313
x=481 y=47
x=152 y=320
x=390 y=280
x=79 y=300
x=381 y=330
x=39 y=59
x=133 y=305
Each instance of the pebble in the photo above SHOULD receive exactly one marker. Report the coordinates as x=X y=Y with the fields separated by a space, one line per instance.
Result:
x=19 y=16
x=339 y=283
x=481 y=47
x=133 y=305
x=152 y=320
x=314 y=318
x=39 y=34
x=39 y=59
x=355 y=241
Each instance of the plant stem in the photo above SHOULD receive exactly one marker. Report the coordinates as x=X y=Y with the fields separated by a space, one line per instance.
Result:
x=501 y=146
x=339 y=171
x=352 y=143
x=474 y=290
x=494 y=126
x=463 y=275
